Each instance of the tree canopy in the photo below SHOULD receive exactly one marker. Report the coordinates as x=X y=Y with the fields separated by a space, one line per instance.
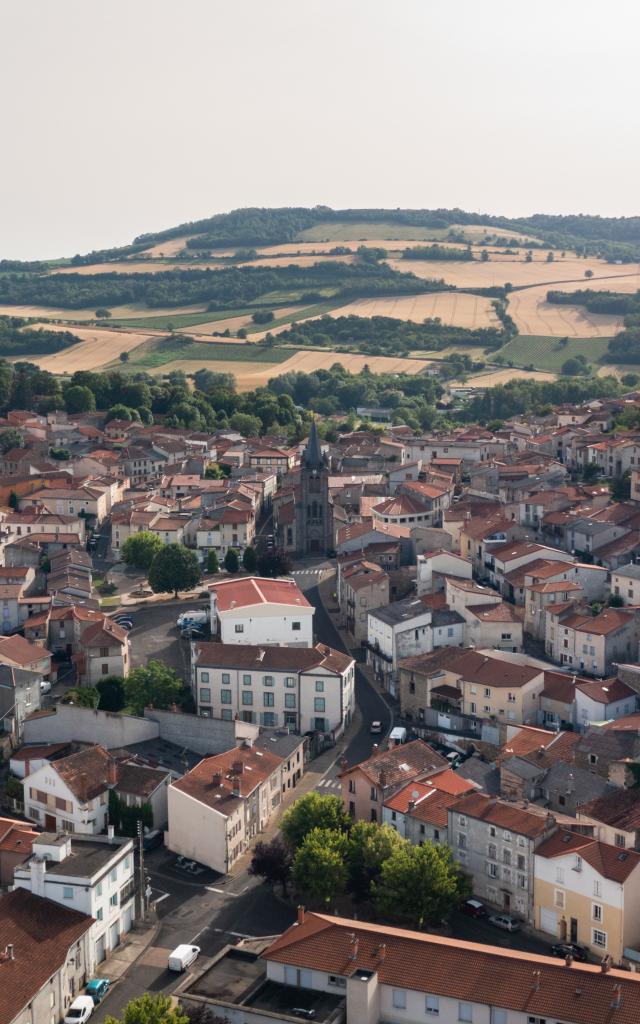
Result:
x=420 y=885
x=150 y=1009
x=140 y=549
x=155 y=684
x=174 y=568
x=313 y=811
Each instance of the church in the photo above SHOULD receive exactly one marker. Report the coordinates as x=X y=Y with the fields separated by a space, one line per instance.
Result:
x=314 y=520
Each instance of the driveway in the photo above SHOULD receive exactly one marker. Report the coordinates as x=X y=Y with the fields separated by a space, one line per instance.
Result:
x=155 y=635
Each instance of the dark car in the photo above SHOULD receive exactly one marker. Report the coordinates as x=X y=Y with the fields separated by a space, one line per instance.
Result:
x=153 y=839
x=474 y=908
x=565 y=949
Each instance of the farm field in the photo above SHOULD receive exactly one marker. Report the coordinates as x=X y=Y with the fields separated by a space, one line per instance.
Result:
x=248 y=375
x=548 y=354
x=455 y=308
x=158 y=351
x=533 y=315
x=97 y=347
x=494 y=377
x=347 y=231
x=618 y=370
x=169 y=247
x=467 y=274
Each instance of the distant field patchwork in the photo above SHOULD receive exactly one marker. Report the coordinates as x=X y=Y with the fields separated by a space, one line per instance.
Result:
x=549 y=353
x=457 y=309
x=533 y=315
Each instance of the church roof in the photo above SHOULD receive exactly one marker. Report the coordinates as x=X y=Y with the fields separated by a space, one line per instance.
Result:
x=313 y=453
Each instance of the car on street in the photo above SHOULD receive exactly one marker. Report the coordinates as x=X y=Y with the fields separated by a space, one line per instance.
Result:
x=474 y=908
x=182 y=957
x=97 y=988
x=505 y=921
x=80 y=1010
x=565 y=949
x=376 y=728
x=153 y=839
x=454 y=759
x=192 y=617
x=45 y=686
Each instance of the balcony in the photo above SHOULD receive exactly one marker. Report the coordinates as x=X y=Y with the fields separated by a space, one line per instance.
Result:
x=128 y=891
x=375 y=649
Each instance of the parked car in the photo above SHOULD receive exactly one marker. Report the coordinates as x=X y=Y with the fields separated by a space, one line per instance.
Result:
x=182 y=957
x=565 y=949
x=474 y=908
x=80 y=1010
x=375 y=728
x=397 y=736
x=153 y=839
x=97 y=988
x=454 y=759
x=505 y=921
x=45 y=686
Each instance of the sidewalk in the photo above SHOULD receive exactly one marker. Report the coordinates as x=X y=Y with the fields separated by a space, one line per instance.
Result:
x=133 y=946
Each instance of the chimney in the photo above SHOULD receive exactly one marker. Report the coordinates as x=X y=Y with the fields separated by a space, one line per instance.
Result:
x=536 y=981
x=550 y=822
x=382 y=778
x=568 y=959
x=111 y=834
x=112 y=773
x=216 y=779
x=236 y=787
x=38 y=869
x=411 y=805
x=237 y=767
x=382 y=951
x=301 y=914
x=355 y=943
x=605 y=964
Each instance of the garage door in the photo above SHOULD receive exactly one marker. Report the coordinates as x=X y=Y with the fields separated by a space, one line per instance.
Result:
x=114 y=936
x=126 y=919
x=548 y=921
x=100 y=950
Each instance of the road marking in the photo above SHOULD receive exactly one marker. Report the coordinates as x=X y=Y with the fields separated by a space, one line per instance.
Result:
x=165 y=896
x=239 y=935
x=197 y=936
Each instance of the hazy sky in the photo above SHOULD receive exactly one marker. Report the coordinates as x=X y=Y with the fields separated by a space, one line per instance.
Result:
x=125 y=116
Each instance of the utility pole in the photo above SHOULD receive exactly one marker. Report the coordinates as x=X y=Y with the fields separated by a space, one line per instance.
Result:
x=142 y=902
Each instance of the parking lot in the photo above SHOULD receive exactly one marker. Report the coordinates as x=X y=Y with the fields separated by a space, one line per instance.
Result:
x=155 y=635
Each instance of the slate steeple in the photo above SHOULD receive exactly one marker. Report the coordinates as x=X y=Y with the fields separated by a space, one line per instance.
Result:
x=313 y=453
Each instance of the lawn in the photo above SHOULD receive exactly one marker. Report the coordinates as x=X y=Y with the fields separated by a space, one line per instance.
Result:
x=179 y=320
x=158 y=351
x=547 y=353
x=306 y=313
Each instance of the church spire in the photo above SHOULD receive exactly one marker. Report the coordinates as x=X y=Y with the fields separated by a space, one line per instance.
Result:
x=313 y=453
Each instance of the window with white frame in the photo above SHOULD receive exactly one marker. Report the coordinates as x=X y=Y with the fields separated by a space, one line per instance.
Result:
x=498 y=1015
x=597 y=888
x=432 y=1005
x=319 y=685
x=399 y=999
x=560 y=875
x=204 y=677
x=239 y=627
x=226 y=678
x=596 y=912
x=465 y=1013
x=558 y=899
x=205 y=695
x=599 y=938
x=67 y=892
x=246 y=679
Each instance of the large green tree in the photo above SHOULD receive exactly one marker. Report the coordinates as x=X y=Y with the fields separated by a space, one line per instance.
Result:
x=319 y=868
x=249 y=559
x=155 y=684
x=174 y=568
x=369 y=846
x=272 y=861
x=140 y=549
x=148 y=1009
x=111 y=690
x=420 y=885
x=313 y=811
x=79 y=399
x=231 y=561
x=82 y=696
x=10 y=438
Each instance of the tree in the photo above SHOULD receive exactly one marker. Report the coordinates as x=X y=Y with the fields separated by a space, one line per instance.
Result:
x=620 y=487
x=272 y=861
x=575 y=366
x=591 y=472
x=313 y=811
x=588 y=273
x=550 y=257
x=119 y=411
x=111 y=690
x=79 y=399
x=82 y=696
x=212 y=561
x=369 y=846
x=61 y=454
x=485 y=256
x=272 y=562
x=231 y=561
x=156 y=684
x=174 y=568
x=249 y=559
x=262 y=316
x=124 y=357
x=214 y=472
x=10 y=438
x=103 y=314
x=319 y=868
x=421 y=885
x=13 y=500
x=148 y=1009
x=140 y=549
x=245 y=424
x=201 y=1014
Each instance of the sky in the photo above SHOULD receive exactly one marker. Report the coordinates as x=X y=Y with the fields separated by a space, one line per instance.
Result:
x=129 y=116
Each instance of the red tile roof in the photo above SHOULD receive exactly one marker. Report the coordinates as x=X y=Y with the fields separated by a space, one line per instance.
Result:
x=41 y=933
x=485 y=808
x=466 y=971
x=609 y=861
x=213 y=780
x=257 y=590
x=400 y=764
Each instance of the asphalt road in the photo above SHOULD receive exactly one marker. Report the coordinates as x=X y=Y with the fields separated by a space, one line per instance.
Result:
x=155 y=635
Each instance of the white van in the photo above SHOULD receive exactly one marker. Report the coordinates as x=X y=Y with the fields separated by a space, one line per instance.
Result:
x=194 y=617
x=397 y=736
x=182 y=957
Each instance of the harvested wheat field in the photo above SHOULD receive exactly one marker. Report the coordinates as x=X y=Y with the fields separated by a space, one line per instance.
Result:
x=489 y=380
x=477 y=274
x=618 y=370
x=169 y=247
x=97 y=347
x=534 y=315
x=457 y=309
x=248 y=375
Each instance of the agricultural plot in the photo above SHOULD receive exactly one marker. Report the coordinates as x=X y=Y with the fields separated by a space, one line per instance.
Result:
x=248 y=375
x=457 y=309
x=497 y=272
x=550 y=353
x=169 y=247
x=347 y=231
x=97 y=347
x=533 y=315
x=157 y=352
x=494 y=377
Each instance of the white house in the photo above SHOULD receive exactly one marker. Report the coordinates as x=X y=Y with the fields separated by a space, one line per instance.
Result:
x=257 y=610
x=71 y=794
x=94 y=875
x=625 y=583
x=601 y=700
x=304 y=689
x=396 y=631
x=434 y=566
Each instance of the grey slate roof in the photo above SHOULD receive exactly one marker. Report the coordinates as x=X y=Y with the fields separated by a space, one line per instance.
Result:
x=632 y=571
x=400 y=611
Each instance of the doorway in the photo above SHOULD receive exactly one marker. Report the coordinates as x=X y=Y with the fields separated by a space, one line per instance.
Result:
x=50 y=822
x=573 y=931
x=506 y=900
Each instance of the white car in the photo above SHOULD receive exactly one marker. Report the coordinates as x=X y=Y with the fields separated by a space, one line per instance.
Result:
x=45 y=686
x=194 y=617
x=80 y=1010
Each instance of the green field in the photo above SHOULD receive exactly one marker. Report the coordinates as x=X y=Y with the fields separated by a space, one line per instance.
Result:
x=158 y=351
x=348 y=232
x=303 y=314
x=548 y=353
x=178 y=320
